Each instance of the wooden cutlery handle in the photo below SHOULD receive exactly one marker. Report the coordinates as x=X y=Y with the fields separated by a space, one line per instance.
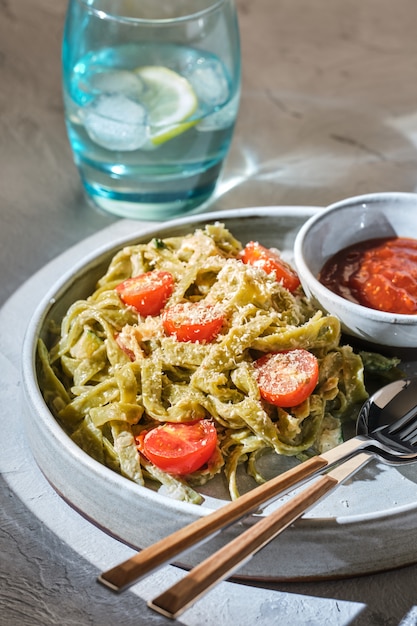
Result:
x=141 y=564
x=148 y=559
x=222 y=563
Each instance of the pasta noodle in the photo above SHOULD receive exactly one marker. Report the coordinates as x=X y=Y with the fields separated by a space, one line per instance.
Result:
x=113 y=373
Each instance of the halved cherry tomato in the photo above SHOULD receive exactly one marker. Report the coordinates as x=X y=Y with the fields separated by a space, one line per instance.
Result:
x=268 y=260
x=148 y=292
x=193 y=321
x=179 y=448
x=287 y=378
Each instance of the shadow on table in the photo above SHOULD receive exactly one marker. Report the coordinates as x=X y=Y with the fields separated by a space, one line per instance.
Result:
x=44 y=582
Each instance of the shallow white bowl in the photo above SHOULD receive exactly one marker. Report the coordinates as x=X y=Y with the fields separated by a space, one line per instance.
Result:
x=340 y=225
x=335 y=538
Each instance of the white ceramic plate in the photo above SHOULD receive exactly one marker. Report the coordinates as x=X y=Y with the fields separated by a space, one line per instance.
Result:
x=367 y=525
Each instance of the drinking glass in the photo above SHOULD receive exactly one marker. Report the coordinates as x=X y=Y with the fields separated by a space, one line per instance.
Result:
x=151 y=94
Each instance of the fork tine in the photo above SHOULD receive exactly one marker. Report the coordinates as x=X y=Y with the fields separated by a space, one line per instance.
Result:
x=400 y=425
x=411 y=436
x=407 y=430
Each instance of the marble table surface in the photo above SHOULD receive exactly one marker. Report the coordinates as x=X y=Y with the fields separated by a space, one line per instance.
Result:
x=329 y=110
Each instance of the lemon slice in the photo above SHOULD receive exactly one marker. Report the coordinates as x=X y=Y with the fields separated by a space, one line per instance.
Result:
x=169 y=99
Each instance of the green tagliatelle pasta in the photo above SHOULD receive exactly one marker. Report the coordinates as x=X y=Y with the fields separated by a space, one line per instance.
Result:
x=104 y=395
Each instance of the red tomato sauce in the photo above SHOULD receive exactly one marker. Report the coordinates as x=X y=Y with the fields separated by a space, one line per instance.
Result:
x=378 y=273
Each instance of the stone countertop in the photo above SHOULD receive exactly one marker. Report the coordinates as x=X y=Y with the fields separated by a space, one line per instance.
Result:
x=329 y=110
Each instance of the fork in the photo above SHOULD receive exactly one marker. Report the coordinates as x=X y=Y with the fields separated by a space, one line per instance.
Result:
x=393 y=442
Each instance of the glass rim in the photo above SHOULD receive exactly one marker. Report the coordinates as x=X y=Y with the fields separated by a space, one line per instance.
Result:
x=103 y=14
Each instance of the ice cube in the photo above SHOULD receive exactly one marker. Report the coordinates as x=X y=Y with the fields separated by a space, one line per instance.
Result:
x=116 y=122
x=223 y=118
x=97 y=79
x=116 y=82
x=209 y=82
